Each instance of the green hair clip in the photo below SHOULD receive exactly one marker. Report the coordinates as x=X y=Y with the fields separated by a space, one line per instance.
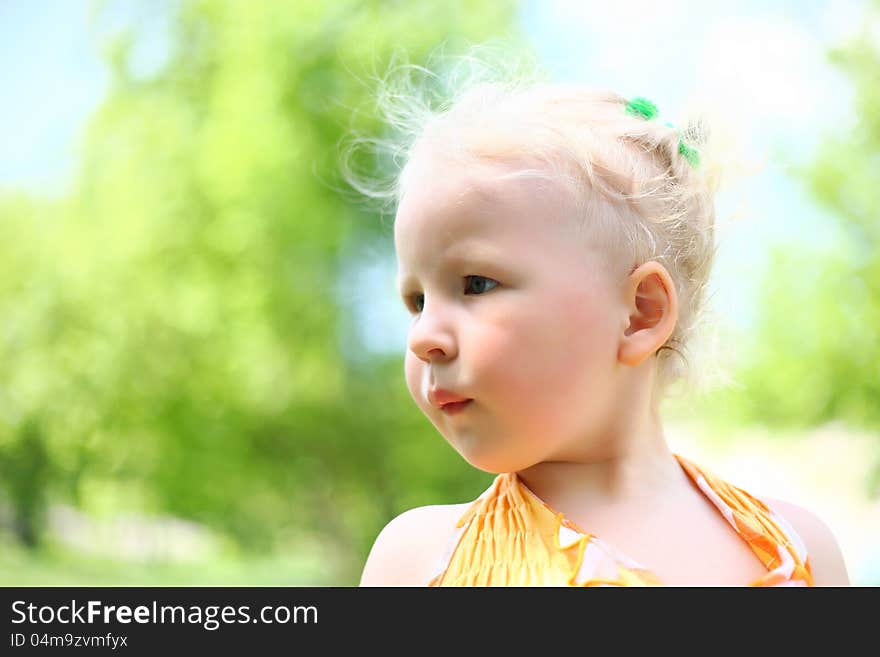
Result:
x=642 y=107
x=647 y=110
x=690 y=153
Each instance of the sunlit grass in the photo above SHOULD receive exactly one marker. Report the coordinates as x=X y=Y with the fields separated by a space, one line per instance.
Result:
x=57 y=566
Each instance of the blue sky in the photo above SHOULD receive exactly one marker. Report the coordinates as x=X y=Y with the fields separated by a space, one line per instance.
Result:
x=53 y=78
x=758 y=66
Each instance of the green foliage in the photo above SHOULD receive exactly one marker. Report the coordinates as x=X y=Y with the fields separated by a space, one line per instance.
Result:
x=815 y=357
x=172 y=328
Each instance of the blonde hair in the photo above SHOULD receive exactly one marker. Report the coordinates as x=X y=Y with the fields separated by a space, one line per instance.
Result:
x=635 y=192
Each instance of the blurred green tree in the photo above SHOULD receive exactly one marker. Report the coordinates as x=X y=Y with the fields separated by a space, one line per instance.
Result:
x=173 y=333
x=815 y=356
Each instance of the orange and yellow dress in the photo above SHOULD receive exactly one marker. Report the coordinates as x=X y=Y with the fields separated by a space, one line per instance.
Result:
x=510 y=537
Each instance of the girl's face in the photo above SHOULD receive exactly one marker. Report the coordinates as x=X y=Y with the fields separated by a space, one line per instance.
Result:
x=510 y=309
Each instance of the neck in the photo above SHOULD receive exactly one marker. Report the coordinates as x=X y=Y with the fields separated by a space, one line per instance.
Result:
x=627 y=461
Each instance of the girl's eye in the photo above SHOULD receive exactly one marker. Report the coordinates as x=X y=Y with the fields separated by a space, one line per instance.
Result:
x=478 y=285
x=416 y=302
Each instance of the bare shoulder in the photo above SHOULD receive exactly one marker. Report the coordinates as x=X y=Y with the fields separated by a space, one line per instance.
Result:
x=826 y=558
x=408 y=547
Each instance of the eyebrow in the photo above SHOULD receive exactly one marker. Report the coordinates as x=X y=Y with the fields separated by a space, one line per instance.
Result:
x=469 y=252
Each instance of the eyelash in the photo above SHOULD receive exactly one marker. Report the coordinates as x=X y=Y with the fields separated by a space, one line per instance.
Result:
x=411 y=299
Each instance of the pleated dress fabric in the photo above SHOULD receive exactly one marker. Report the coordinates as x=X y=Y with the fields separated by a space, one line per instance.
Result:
x=510 y=537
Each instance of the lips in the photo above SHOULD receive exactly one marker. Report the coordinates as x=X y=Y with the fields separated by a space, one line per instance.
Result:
x=454 y=407
x=440 y=397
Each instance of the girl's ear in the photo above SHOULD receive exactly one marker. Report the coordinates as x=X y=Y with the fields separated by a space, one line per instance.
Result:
x=653 y=307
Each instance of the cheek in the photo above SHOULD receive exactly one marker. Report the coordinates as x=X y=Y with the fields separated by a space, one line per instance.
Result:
x=554 y=360
x=588 y=347
x=587 y=335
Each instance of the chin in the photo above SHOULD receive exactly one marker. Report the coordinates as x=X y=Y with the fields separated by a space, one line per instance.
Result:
x=493 y=462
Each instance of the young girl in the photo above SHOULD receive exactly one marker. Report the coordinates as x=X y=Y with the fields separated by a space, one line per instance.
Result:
x=554 y=243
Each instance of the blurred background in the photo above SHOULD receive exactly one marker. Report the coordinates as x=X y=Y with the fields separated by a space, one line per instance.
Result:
x=201 y=346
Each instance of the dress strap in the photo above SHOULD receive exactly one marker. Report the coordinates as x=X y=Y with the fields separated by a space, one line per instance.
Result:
x=773 y=540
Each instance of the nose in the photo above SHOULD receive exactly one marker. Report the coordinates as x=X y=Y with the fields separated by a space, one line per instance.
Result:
x=431 y=335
